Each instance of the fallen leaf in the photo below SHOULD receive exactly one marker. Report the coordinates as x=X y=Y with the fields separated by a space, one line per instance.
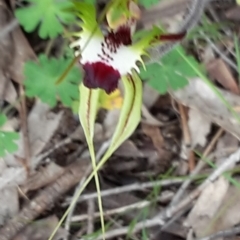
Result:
x=208 y=204
x=42 y=123
x=148 y=118
x=233 y=13
x=128 y=149
x=230 y=215
x=7 y=90
x=198 y=95
x=199 y=127
x=219 y=71
x=9 y=204
x=22 y=53
x=155 y=134
x=225 y=146
x=12 y=176
x=164 y=156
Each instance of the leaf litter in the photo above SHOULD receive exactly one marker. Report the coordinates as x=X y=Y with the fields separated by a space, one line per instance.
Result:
x=60 y=159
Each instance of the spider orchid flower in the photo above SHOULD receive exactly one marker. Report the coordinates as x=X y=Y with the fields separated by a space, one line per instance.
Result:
x=107 y=58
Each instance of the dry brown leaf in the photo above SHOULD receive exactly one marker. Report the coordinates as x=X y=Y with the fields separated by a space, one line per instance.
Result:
x=128 y=149
x=233 y=13
x=161 y=163
x=9 y=203
x=227 y=215
x=230 y=215
x=42 y=123
x=225 y=145
x=12 y=176
x=14 y=48
x=219 y=71
x=200 y=96
x=6 y=42
x=199 y=127
x=23 y=52
x=207 y=206
x=7 y=91
x=149 y=119
x=156 y=136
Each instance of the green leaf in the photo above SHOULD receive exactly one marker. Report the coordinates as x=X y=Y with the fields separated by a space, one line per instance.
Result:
x=49 y=15
x=148 y=3
x=90 y=1
x=171 y=73
x=7 y=138
x=41 y=81
x=3 y=119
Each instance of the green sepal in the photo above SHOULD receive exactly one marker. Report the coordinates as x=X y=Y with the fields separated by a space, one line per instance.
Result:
x=129 y=119
x=130 y=114
x=88 y=108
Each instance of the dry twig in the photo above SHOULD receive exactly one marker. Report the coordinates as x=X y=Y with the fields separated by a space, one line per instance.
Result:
x=129 y=188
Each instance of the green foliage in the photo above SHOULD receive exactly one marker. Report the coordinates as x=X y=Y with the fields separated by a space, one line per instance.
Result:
x=171 y=73
x=49 y=15
x=41 y=81
x=207 y=28
x=90 y=1
x=7 y=138
x=148 y=3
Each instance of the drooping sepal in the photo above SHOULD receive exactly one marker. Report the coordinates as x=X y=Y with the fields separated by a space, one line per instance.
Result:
x=88 y=107
x=130 y=113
